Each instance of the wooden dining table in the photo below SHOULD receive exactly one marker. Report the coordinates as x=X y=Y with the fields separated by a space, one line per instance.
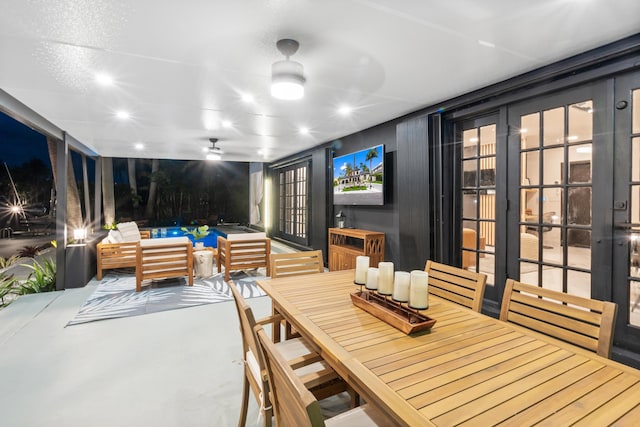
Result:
x=468 y=369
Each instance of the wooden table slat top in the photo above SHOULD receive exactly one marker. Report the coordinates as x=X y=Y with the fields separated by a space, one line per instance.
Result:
x=469 y=369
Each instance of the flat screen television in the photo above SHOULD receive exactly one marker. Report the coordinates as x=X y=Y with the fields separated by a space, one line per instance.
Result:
x=358 y=178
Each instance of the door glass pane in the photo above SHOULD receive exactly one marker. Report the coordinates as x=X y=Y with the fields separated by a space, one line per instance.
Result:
x=553 y=161
x=551 y=248
x=634 y=309
x=469 y=205
x=579 y=257
x=552 y=278
x=529 y=203
x=635 y=109
x=580 y=122
x=530 y=131
x=635 y=168
x=530 y=168
x=579 y=283
x=553 y=133
x=635 y=203
x=529 y=273
x=469 y=143
x=529 y=246
x=579 y=206
x=580 y=161
x=469 y=173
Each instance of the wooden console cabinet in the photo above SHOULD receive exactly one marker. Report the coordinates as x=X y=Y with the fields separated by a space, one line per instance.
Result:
x=345 y=244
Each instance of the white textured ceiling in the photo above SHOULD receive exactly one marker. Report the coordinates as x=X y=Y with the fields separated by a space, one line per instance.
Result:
x=181 y=67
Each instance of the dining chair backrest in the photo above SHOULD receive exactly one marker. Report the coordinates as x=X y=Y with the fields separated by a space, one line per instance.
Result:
x=247 y=324
x=584 y=322
x=253 y=362
x=296 y=263
x=455 y=284
x=293 y=404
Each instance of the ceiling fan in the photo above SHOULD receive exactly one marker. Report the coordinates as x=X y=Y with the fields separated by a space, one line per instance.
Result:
x=214 y=153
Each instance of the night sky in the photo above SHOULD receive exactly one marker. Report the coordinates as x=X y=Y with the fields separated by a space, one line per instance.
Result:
x=19 y=143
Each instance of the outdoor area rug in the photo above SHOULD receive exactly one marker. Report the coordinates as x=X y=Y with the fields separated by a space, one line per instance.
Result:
x=116 y=296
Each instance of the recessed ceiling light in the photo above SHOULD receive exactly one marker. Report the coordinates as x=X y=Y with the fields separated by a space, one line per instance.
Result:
x=345 y=110
x=104 y=79
x=205 y=149
x=474 y=139
x=304 y=130
x=486 y=43
x=226 y=124
x=213 y=156
x=123 y=115
x=523 y=130
x=139 y=146
x=247 y=97
x=572 y=138
x=584 y=149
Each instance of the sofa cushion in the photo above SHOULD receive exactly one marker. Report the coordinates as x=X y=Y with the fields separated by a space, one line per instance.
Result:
x=129 y=231
x=246 y=236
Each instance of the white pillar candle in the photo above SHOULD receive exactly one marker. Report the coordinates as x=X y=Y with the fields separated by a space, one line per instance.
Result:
x=362 y=265
x=419 y=291
x=372 y=278
x=401 y=285
x=385 y=278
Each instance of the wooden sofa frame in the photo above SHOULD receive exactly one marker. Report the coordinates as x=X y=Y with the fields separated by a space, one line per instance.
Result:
x=117 y=255
x=243 y=254
x=163 y=261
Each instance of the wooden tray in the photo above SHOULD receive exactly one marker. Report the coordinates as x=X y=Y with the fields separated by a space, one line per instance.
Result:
x=391 y=312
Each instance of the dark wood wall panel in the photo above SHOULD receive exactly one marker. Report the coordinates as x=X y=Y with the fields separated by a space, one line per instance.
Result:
x=413 y=193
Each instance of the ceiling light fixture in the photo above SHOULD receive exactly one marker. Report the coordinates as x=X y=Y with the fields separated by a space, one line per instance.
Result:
x=226 y=124
x=123 y=115
x=344 y=110
x=214 y=153
x=246 y=97
x=139 y=146
x=287 y=79
x=304 y=131
x=104 y=79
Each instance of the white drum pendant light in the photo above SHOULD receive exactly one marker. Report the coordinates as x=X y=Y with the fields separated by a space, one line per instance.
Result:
x=287 y=78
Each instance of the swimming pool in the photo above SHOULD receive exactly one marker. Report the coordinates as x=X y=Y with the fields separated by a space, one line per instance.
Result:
x=211 y=240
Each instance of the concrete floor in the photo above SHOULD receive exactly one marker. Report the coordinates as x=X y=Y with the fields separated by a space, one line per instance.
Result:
x=174 y=368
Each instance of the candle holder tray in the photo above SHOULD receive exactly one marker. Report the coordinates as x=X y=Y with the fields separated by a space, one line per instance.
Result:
x=403 y=318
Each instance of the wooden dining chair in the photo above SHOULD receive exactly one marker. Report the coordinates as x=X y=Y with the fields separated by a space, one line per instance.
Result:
x=312 y=371
x=295 y=405
x=295 y=264
x=584 y=322
x=455 y=284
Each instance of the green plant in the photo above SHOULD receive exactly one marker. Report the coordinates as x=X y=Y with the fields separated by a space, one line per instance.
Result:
x=110 y=226
x=6 y=287
x=42 y=279
x=6 y=262
x=29 y=252
x=197 y=232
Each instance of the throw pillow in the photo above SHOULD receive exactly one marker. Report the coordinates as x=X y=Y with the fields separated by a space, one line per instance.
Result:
x=129 y=231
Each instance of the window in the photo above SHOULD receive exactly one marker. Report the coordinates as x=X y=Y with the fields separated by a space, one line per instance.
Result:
x=293 y=203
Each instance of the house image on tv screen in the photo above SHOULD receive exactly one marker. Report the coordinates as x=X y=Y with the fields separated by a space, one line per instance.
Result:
x=358 y=178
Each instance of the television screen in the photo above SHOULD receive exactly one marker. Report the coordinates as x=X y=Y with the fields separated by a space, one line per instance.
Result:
x=358 y=178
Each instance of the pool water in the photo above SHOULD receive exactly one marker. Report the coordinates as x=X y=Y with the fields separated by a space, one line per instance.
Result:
x=211 y=240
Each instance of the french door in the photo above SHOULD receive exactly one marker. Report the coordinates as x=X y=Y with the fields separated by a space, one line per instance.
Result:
x=626 y=211
x=549 y=194
x=479 y=177
x=559 y=191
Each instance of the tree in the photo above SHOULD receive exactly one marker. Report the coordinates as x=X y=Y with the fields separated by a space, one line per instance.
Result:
x=74 y=210
x=153 y=188
x=371 y=154
x=108 y=198
x=135 y=199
